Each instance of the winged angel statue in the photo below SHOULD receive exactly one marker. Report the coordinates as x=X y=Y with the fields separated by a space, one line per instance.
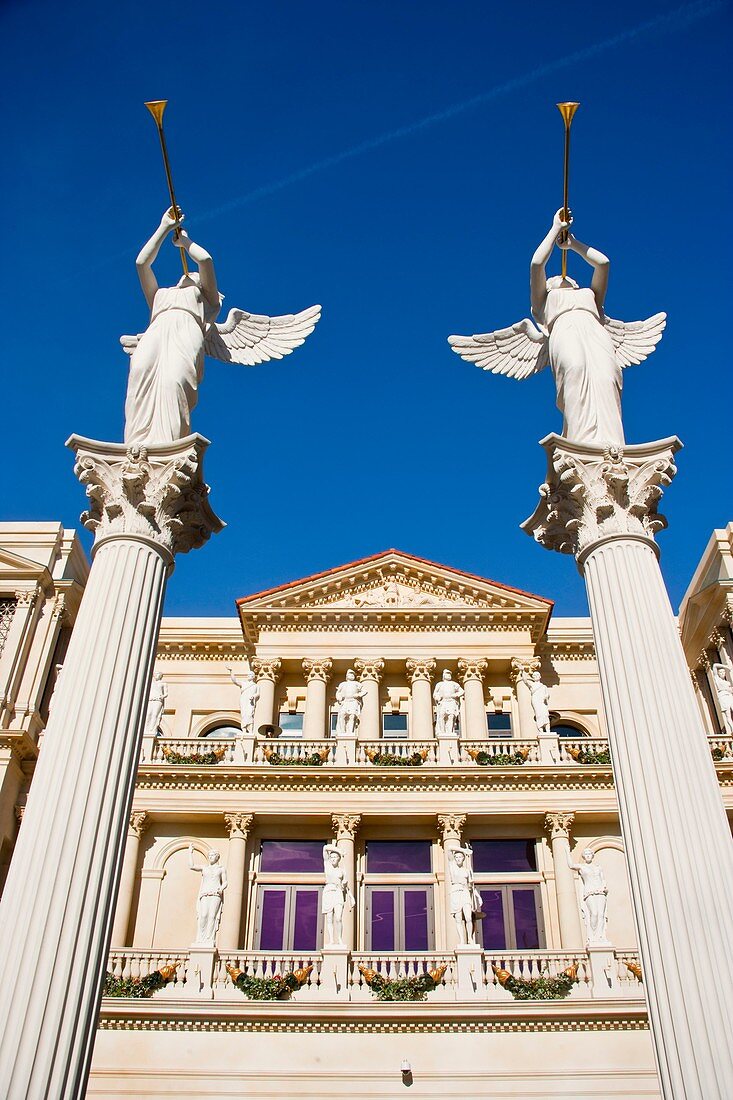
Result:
x=586 y=349
x=167 y=360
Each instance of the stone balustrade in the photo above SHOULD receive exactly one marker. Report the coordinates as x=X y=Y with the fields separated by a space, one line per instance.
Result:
x=570 y=748
x=403 y=750
x=721 y=748
x=496 y=749
x=293 y=750
x=227 y=750
x=617 y=979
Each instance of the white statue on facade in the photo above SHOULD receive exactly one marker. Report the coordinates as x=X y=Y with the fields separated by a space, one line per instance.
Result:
x=586 y=349
x=447 y=697
x=539 y=694
x=336 y=894
x=167 y=360
x=595 y=898
x=210 y=901
x=156 y=705
x=349 y=697
x=249 y=693
x=465 y=900
x=724 y=690
x=57 y=681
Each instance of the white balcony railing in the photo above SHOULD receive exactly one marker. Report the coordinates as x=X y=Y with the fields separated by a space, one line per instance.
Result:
x=403 y=750
x=136 y=964
x=572 y=749
x=721 y=748
x=497 y=750
x=527 y=965
x=202 y=752
x=293 y=751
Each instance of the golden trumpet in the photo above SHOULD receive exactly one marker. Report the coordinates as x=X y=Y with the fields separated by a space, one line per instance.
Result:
x=156 y=108
x=567 y=110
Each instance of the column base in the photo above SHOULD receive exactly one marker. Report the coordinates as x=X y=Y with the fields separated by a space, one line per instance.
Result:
x=470 y=972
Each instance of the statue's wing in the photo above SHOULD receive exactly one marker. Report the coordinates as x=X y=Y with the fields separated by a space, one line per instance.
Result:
x=250 y=338
x=635 y=340
x=518 y=351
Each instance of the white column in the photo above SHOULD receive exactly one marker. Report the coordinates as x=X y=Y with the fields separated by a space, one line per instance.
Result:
x=144 y=506
x=421 y=671
x=345 y=828
x=317 y=670
x=568 y=910
x=238 y=826
x=370 y=673
x=451 y=829
x=472 y=671
x=267 y=671
x=28 y=602
x=123 y=910
x=601 y=506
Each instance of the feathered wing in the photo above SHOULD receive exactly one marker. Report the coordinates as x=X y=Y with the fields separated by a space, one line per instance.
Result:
x=517 y=351
x=250 y=338
x=635 y=340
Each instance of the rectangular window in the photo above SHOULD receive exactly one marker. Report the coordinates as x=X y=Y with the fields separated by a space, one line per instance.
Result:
x=292 y=856
x=291 y=724
x=398 y=857
x=499 y=857
x=499 y=725
x=399 y=918
x=394 y=727
x=288 y=918
x=512 y=918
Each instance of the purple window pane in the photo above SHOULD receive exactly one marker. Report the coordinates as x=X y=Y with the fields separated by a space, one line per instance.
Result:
x=273 y=920
x=525 y=918
x=382 y=906
x=288 y=856
x=398 y=857
x=416 y=920
x=500 y=856
x=305 y=928
x=493 y=931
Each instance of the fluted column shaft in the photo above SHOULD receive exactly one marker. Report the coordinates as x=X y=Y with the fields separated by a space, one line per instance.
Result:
x=145 y=505
x=238 y=826
x=568 y=910
x=420 y=671
x=678 y=846
x=317 y=671
x=123 y=910
x=345 y=828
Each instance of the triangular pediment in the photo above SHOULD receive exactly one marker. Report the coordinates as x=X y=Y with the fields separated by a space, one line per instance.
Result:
x=396 y=582
x=13 y=567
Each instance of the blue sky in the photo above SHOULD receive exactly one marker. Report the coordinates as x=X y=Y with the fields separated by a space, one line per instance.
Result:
x=396 y=162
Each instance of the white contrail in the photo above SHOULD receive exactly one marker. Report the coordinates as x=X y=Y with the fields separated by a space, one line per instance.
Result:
x=669 y=21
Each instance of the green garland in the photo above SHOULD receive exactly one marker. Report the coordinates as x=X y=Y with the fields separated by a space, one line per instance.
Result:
x=544 y=988
x=212 y=757
x=415 y=988
x=136 y=987
x=500 y=760
x=581 y=756
x=391 y=760
x=313 y=760
x=268 y=989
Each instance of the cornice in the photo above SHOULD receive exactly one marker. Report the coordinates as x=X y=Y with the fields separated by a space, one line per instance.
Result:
x=316 y=1017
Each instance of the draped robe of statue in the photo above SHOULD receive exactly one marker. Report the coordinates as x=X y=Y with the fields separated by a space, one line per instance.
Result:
x=587 y=374
x=167 y=365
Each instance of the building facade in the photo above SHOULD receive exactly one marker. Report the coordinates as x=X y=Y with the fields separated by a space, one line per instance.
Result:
x=398 y=791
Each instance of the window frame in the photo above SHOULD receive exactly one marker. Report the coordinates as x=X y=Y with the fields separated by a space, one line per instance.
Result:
x=399 y=890
x=499 y=735
x=483 y=882
x=290 y=889
x=291 y=734
x=395 y=735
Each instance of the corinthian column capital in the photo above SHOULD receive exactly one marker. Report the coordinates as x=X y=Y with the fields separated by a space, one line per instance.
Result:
x=238 y=824
x=156 y=492
x=592 y=493
x=472 y=668
x=138 y=822
x=559 y=825
x=369 y=668
x=317 y=668
x=524 y=666
x=451 y=826
x=420 y=668
x=345 y=826
x=266 y=668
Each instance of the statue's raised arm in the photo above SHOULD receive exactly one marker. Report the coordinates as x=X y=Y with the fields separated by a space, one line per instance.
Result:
x=167 y=360
x=586 y=349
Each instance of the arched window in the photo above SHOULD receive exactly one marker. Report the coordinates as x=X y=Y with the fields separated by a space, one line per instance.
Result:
x=563 y=728
x=225 y=729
